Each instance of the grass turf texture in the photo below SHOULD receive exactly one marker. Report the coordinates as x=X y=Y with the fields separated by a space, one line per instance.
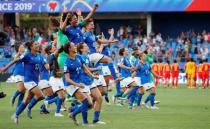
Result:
x=180 y=108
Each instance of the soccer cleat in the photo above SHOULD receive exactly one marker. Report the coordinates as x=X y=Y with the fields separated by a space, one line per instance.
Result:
x=154 y=108
x=15 y=119
x=130 y=107
x=156 y=102
x=73 y=119
x=46 y=104
x=99 y=122
x=63 y=108
x=145 y=105
x=44 y=112
x=28 y=113
x=58 y=115
x=107 y=100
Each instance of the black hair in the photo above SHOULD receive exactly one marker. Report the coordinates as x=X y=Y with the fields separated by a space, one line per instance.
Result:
x=89 y=21
x=200 y=62
x=121 y=51
x=175 y=61
x=47 y=49
x=191 y=59
x=54 y=22
x=28 y=44
x=79 y=47
x=66 y=47
x=17 y=47
x=155 y=61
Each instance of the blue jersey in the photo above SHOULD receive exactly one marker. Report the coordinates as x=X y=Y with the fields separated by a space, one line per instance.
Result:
x=143 y=71
x=106 y=51
x=74 y=33
x=125 y=72
x=44 y=73
x=90 y=39
x=19 y=66
x=31 y=66
x=50 y=61
x=73 y=67
x=86 y=79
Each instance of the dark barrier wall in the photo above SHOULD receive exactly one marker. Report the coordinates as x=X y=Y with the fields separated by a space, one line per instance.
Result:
x=174 y=23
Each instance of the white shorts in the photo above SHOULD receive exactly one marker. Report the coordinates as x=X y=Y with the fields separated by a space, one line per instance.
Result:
x=95 y=57
x=106 y=71
x=30 y=85
x=126 y=81
x=19 y=78
x=148 y=86
x=71 y=89
x=56 y=84
x=93 y=85
x=138 y=81
x=86 y=90
x=100 y=81
x=43 y=84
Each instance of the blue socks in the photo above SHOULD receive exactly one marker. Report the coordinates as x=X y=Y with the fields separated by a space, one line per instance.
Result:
x=151 y=98
x=17 y=93
x=82 y=108
x=20 y=109
x=112 y=70
x=20 y=99
x=96 y=116
x=59 y=103
x=119 y=93
x=139 y=96
x=52 y=100
x=132 y=95
x=32 y=103
x=49 y=97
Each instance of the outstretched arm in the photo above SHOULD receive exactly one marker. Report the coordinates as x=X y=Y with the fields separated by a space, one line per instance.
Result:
x=91 y=12
x=5 y=68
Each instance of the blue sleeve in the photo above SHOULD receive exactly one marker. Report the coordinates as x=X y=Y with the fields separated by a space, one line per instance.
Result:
x=66 y=66
x=43 y=60
x=66 y=32
x=52 y=57
x=81 y=59
x=150 y=69
x=24 y=58
x=85 y=35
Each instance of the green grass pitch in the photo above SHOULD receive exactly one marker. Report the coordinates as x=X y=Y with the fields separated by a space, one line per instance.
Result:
x=180 y=108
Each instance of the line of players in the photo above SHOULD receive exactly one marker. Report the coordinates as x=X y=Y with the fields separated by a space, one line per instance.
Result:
x=193 y=73
x=48 y=72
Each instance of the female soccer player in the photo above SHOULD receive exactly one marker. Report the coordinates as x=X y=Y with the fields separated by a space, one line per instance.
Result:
x=167 y=73
x=125 y=70
x=32 y=61
x=175 y=74
x=18 y=73
x=74 y=30
x=145 y=69
x=95 y=93
x=55 y=80
x=72 y=82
